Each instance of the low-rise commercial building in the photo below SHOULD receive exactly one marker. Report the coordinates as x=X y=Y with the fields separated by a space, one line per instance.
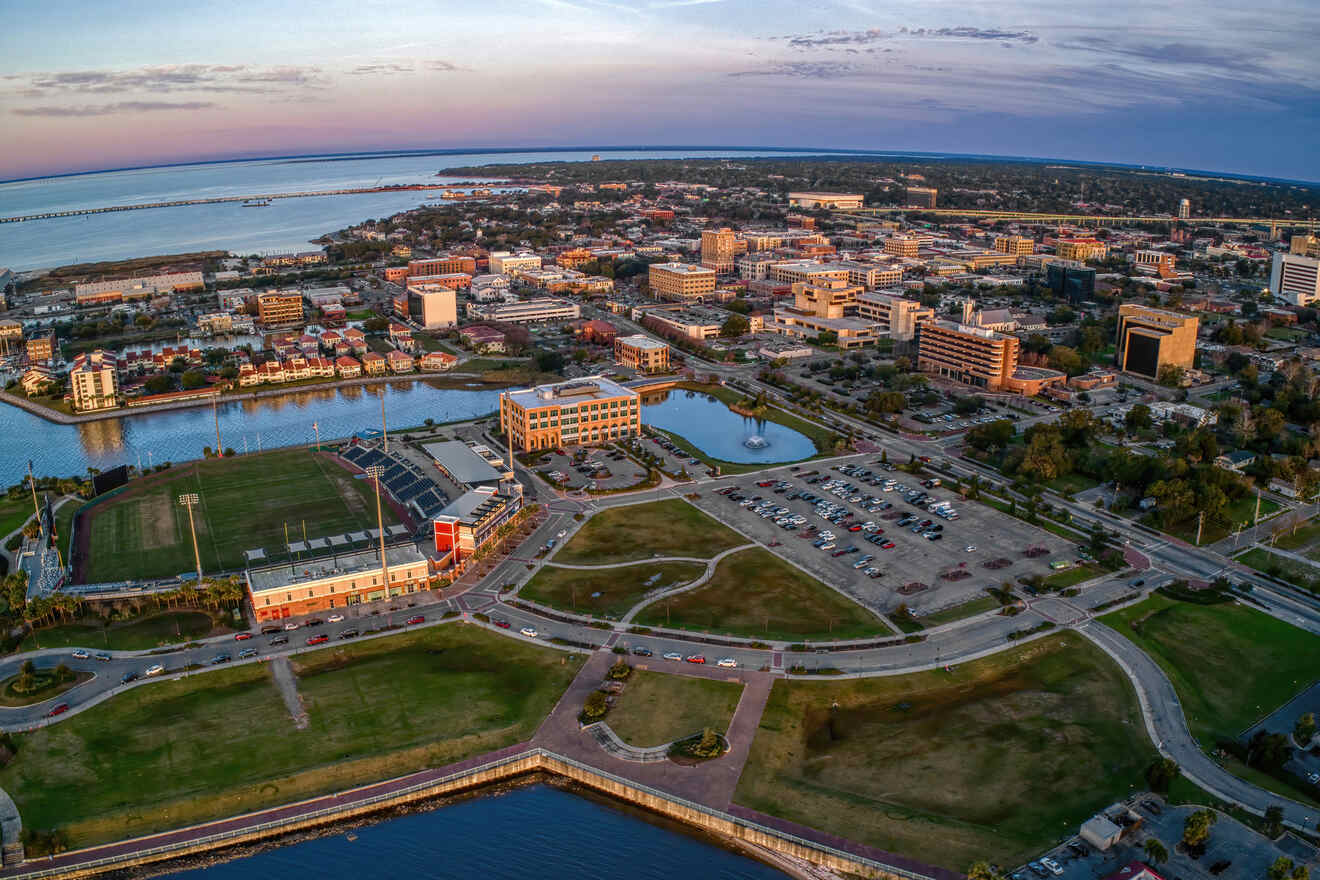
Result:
x=102 y=292
x=902 y=245
x=843 y=332
x=504 y=262
x=470 y=521
x=309 y=586
x=830 y=200
x=578 y=412
x=530 y=311
x=641 y=353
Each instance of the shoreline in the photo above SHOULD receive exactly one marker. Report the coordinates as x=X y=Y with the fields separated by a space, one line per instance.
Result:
x=59 y=418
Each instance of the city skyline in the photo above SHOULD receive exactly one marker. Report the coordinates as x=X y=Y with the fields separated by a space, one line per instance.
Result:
x=1003 y=79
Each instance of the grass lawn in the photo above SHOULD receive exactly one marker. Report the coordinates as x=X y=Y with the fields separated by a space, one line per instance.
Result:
x=961 y=612
x=144 y=633
x=995 y=760
x=14 y=512
x=64 y=525
x=1241 y=511
x=619 y=588
x=1304 y=536
x=1072 y=483
x=640 y=531
x=1292 y=570
x=756 y=594
x=1230 y=664
x=1070 y=577
x=175 y=752
x=656 y=708
x=246 y=502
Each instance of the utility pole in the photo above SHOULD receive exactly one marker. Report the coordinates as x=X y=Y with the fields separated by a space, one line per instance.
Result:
x=188 y=499
x=215 y=413
x=1200 y=521
x=1256 y=521
x=377 y=471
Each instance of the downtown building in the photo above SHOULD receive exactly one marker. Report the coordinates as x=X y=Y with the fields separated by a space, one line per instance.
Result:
x=1150 y=339
x=1295 y=278
x=681 y=282
x=579 y=412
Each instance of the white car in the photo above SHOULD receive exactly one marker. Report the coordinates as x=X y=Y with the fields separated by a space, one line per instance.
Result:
x=1054 y=867
x=673 y=655
x=81 y=654
x=155 y=670
x=335 y=618
x=728 y=662
x=970 y=548
x=291 y=625
x=530 y=632
x=561 y=533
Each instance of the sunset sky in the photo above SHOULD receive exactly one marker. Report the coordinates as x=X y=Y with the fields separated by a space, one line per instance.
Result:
x=1213 y=85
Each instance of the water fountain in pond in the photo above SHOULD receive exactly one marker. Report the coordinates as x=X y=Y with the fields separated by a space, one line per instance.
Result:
x=756 y=441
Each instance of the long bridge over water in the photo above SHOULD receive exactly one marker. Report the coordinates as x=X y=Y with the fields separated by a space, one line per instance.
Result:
x=261 y=197
x=1274 y=223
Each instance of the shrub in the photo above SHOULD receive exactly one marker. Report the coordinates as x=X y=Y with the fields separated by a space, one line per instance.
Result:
x=595 y=707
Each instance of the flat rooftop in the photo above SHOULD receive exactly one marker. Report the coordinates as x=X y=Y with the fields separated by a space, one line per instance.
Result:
x=303 y=571
x=683 y=268
x=462 y=463
x=640 y=341
x=570 y=393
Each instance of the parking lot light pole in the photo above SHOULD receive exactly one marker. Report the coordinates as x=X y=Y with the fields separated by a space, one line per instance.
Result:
x=188 y=499
x=377 y=471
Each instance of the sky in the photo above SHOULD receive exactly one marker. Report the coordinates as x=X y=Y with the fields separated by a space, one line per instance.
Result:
x=1215 y=85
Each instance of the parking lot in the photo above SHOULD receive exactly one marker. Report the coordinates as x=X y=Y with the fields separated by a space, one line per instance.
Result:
x=976 y=545
x=594 y=468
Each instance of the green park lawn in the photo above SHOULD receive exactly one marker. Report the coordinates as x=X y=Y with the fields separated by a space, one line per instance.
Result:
x=606 y=592
x=960 y=612
x=996 y=759
x=246 y=502
x=756 y=594
x=641 y=531
x=171 y=753
x=1303 y=537
x=1230 y=664
x=1071 y=577
x=141 y=634
x=1294 y=571
x=656 y=708
x=14 y=512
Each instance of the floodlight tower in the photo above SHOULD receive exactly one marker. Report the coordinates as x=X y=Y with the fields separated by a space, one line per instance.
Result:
x=377 y=471
x=188 y=499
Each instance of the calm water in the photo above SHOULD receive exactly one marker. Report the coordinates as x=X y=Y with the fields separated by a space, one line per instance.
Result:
x=536 y=832
x=719 y=432
x=288 y=224
x=180 y=435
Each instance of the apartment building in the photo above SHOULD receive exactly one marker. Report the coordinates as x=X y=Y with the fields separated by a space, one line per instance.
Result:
x=337 y=581
x=641 y=353
x=1150 y=339
x=681 y=282
x=280 y=308
x=578 y=412
x=894 y=315
x=504 y=262
x=11 y=335
x=719 y=250
x=442 y=265
x=828 y=299
x=42 y=348
x=829 y=200
x=432 y=306
x=902 y=245
x=1016 y=245
x=1295 y=278
x=921 y=196
x=528 y=311
x=971 y=355
x=94 y=381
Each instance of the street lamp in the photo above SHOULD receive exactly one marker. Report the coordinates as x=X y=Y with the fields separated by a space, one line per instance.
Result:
x=188 y=499
x=377 y=471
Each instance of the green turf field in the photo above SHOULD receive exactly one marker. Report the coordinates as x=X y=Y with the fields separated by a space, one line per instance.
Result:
x=997 y=759
x=246 y=502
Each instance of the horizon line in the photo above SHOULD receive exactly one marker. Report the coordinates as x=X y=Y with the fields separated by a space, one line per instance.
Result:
x=807 y=152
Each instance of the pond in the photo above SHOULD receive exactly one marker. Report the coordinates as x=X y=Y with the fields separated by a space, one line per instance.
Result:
x=708 y=424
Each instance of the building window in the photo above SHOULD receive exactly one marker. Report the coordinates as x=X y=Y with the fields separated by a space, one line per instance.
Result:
x=288 y=597
x=268 y=600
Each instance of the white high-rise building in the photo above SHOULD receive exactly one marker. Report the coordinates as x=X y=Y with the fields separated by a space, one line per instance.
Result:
x=1184 y=209
x=1295 y=279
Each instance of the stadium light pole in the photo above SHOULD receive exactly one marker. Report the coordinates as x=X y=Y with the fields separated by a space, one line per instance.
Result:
x=377 y=471
x=215 y=413
x=188 y=499
x=384 y=431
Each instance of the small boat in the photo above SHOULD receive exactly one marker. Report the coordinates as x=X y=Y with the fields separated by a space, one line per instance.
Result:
x=350 y=837
x=257 y=203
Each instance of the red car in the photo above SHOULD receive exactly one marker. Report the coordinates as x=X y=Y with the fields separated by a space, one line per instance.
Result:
x=855 y=528
x=501 y=623
x=416 y=619
x=695 y=658
x=887 y=545
x=58 y=710
x=765 y=483
x=316 y=640
x=242 y=637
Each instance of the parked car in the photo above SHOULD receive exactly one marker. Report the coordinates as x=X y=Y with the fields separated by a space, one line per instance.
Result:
x=500 y=622
x=220 y=658
x=529 y=631
x=242 y=637
x=81 y=654
x=128 y=676
x=415 y=619
x=156 y=669
x=280 y=640
x=728 y=663
x=291 y=626
x=350 y=633
x=269 y=628
x=695 y=658
x=246 y=653
x=318 y=640
x=1054 y=867
x=335 y=618
x=641 y=651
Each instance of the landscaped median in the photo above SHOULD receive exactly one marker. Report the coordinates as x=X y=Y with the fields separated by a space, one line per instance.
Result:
x=994 y=759
x=173 y=753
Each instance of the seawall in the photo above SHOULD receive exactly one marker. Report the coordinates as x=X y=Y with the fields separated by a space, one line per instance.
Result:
x=741 y=826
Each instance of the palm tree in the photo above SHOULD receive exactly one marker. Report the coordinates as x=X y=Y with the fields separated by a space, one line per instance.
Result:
x=1156 y=853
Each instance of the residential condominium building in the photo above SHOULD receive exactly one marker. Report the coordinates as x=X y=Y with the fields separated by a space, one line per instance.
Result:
x=719 y=249
x=641 y=353
x=578 y=412
x=1016 y=245
x=280 y=308
x=1151 y=339
x=1295 y=278
x=681 y=282
x=504 y=262
x=11 y=336
x=529 y=311
x=94 y=381
x=41 y=348
x=892 y=314
x=830 y=200
x=971 y=355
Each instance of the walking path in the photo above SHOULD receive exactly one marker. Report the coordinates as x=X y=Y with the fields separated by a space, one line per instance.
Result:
x=282 y=671
x=701 y=581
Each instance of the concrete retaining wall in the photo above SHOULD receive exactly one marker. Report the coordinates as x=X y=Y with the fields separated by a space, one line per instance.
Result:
x=501 y=770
